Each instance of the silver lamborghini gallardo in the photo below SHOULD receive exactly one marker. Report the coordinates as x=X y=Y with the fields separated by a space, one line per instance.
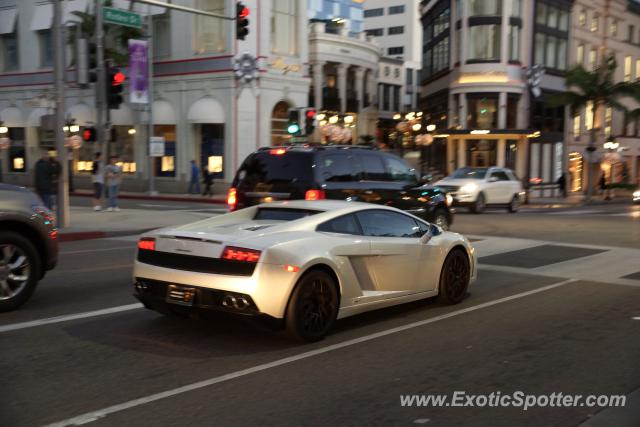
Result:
x=305 y=263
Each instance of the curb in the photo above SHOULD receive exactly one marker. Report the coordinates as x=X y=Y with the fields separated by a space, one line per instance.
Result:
x=75 y=236
x=158 y=198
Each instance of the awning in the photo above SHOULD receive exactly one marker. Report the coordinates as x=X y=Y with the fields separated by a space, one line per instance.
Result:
x=34 y=116
x=123 y=116
x=42 y=17
x=206 y=110
x=8 y=20
x=83 y=114
x=163 y=113
x=12 y=117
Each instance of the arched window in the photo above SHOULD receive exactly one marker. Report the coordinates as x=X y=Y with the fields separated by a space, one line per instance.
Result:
x=279 y=119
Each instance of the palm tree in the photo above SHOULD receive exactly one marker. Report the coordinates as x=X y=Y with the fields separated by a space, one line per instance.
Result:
x=598 y=89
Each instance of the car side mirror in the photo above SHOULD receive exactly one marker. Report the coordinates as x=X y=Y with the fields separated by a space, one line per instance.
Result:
x=493 y=179
x=433 y=230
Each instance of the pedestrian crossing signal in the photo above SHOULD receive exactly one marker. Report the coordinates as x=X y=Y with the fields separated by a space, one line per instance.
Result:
x=89 y=134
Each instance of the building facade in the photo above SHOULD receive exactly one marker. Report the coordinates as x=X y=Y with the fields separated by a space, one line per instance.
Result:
x=201 y=109
x=476 y=92
x=348 y=13
x=397 y=29
x=600 y=28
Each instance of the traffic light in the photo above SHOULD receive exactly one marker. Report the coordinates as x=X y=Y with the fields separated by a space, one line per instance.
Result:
x=242 y=23
x=89 y=134
x=115 y=85
x=293 y=125
x=309 y=120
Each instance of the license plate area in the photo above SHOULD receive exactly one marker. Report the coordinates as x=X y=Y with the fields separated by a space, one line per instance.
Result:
x=181 y=295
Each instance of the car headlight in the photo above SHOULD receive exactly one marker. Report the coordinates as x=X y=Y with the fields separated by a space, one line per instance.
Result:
x=469 y=188
x=636 y=194
x=448 y=199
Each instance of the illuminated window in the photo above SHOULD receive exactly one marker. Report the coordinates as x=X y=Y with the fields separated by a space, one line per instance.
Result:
x=168 y=164
x=284 y=27
x=627 y=68
x=576 y=126
x=614 y=28
x=214 y=164
x=595 y=23
x=592 y=59
x=588 y=115
x=580 y=54
x=637 y=69
x=608 y=116
x=582 y=18
x=209 y=34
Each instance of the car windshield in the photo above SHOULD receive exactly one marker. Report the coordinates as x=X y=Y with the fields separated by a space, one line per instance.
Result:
x=265 y=171
x=282 y=214
x=470 y=173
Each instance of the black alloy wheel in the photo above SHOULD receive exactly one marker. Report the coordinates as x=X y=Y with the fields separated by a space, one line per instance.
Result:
x=479 y=205
x=440 y=219
x=19 y=270
x=313 y=307
x=454 y=279
x=514 y=205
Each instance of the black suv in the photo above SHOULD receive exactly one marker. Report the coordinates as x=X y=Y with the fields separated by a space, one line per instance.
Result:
x=336 y=172
x=28 y=244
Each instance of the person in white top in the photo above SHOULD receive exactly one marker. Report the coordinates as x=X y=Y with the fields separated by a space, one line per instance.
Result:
x=97 y=177
x=114 y=179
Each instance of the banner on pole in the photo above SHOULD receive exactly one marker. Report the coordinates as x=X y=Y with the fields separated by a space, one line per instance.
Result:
x=138 y=72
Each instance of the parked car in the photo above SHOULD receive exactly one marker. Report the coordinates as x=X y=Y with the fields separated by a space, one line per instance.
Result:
x=302 y=263
x=336 y=172
x=478 y=188
x=636 y=196
x=28 y=244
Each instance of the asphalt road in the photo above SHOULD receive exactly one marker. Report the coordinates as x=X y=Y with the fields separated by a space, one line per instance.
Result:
x=531 y=323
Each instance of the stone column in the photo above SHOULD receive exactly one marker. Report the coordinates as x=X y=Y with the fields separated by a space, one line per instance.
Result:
x=451 y=155
x=372 y=86
x=501 y=151
x=451 y=119
x=342 y=86
x=504 y=32
x=360 y=87
x=318 y=84
x=521 y=157
x=502 y=110
x=462 y=106
x=464 y=33
x=462 y=153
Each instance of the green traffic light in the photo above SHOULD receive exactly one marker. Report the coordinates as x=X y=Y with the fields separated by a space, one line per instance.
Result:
x=293 y=128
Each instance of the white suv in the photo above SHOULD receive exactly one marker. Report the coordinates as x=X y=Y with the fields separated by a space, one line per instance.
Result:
x=481 y=187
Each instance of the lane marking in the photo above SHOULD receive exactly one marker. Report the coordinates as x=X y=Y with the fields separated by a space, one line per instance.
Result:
x=101 y=413
x=119 y=248
x=66 y=318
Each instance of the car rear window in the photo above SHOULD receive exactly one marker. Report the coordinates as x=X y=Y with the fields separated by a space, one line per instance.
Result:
x=265 y=171
x=282 y=214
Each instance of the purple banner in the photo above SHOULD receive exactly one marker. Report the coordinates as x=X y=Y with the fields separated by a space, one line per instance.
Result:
x=138 y=72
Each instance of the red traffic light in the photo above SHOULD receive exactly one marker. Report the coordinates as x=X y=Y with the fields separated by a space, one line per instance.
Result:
x=244 y=11
x=89 y=134
x=311 y=114
x=118 y=78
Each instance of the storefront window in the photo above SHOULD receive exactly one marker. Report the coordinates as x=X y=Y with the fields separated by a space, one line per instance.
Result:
x=166 y=165
x=481 y=153
x=123 y=146
x=575 y=172
x=485 y=7
x=483 y=112
x=17 y=151
x=212 y=149
x=484 y=42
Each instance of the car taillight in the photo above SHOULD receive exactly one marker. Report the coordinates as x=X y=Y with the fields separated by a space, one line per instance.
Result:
x=314 y=195
x=147 y=244
x=277 y=151
x=240 y=254
x=231 y=198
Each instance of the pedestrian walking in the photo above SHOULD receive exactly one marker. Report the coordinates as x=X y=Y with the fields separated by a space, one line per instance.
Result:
x=97 y=178
x=194 y=182
x=562 y=185
x=207 y=180
x=114 y=179
x=43 y=178
x=603 y=187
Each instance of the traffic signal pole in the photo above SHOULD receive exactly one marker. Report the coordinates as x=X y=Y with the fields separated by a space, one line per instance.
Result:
x=101 y=81
x=62 y=199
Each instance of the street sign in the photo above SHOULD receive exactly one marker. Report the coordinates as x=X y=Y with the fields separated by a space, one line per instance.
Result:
x=156 y=146
x=121 y=17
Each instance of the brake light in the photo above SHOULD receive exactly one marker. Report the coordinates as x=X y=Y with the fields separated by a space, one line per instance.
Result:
x=314 y=195
x=147 y=244
x=240 y=254
x=277 y=151
x=231 y=198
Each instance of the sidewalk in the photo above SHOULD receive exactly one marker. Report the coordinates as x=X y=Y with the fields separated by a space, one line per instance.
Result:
x=573 y=201
x=215 y=199
x=89 y=224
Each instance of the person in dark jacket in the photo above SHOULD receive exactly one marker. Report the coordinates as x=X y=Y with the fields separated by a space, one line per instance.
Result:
x=207 y=180
x=562 y=185
x=44 y=180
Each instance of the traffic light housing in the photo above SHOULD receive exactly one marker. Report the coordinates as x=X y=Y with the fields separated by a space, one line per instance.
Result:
x=115 y=86
x=242 y=21
x=89 y=134
x=309 y=120
x=293 y=124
